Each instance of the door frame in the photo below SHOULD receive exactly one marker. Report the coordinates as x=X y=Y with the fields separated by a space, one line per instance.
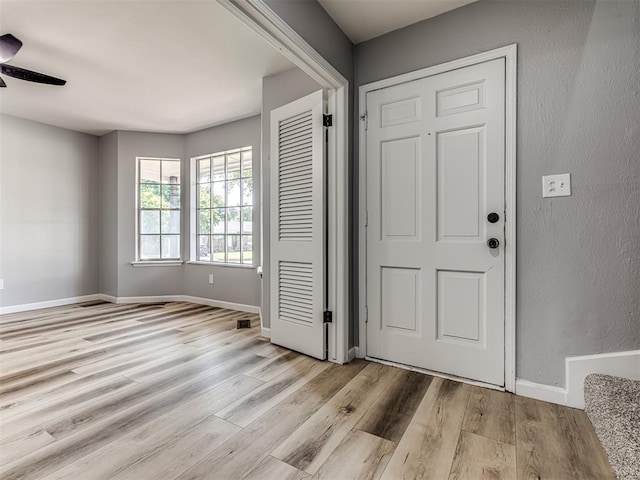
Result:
x=266 y=23
x=509 y=53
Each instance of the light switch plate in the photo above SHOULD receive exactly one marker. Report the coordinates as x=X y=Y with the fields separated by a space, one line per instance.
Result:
x=556 y=185
x=1 y=283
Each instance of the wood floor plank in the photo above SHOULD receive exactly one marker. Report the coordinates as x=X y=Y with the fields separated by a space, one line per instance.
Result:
x=360 y=456
x=273 y=469
x=391 y=413
x=141 y=452
x=551 y=444
x=247 y=409
x=310 y=445
x=491 y=414
x=239 y=455
x=279 y=365
x=482 y=458
x=427 y=448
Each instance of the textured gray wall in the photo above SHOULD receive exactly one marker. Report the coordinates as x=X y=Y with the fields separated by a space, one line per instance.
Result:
x=108 y=206
x=230 y=284
x=142 y=281
x=48 y=212
x=578 y=112
x=277 y=90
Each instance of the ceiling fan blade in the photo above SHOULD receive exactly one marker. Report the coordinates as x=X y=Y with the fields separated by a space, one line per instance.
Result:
x=29 y=76
x=9 y=46
x=2 y=84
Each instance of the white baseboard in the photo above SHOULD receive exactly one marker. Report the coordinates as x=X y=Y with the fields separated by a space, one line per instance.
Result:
x=353 y=353
x=546 y=393
x=619 y=364
x=25 y=307
x=183 y=298
x=266 y=332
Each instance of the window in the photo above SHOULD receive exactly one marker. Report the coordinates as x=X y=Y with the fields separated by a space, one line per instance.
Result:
x=158 y=209
x=224 y=207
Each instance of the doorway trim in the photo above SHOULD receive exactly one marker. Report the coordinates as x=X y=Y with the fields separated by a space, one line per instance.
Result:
x=509 y=53
x=266 y=23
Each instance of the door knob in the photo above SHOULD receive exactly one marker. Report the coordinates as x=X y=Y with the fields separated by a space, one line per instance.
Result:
x=493 y=217
x=493 y=243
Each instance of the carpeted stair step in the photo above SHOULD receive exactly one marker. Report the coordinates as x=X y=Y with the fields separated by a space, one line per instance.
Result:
x=613 y=406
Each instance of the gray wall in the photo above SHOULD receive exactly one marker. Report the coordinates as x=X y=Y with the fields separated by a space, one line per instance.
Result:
x=578 y=112
x=108 y=206
x=277 y=90
x=142 y=281
x=48 y=212
x=230 y=284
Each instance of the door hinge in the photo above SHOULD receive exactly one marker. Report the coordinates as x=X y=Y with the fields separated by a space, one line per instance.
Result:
x=328 y=316
x=366 y=314
x=366 y=219
x=364 y=118
x=327 y=120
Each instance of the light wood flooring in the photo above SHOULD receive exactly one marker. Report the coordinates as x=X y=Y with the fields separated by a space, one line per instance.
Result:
x=174 y=391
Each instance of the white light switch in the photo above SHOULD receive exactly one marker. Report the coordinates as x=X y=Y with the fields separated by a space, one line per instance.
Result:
x=211 y=278
x=556 y=185
x=1 y=283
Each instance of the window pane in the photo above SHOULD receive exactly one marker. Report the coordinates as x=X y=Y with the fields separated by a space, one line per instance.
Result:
x=247 y=191
x=247 y=249
x=233 y=248
x=247 y=220
x=170 y=246
x=170 y=221
x=233 y=165
x=218 y=248
x=233 y=193
x=218 y=194
x=150 y=221
x=204 y=221
x=204 y=170
x=171 y=196
x=218 y=168
x=149 y=171
x=149 y=247
x=150 y=196
x=233 y=220
x=204 y=196
x=171 y=172
x=218 y=218
x=247 y=163
x=204 y=248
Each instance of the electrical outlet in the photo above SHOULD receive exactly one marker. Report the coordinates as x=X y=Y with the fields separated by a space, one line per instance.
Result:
x=211 y=278
x=556 y=185
x=1 y=283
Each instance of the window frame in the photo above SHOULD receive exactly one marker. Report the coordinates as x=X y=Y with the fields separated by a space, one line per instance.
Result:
x=140 y=209
x=195 y=209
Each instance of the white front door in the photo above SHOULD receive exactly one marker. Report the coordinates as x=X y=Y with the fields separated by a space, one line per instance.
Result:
x=435 y=171
x=298 y=242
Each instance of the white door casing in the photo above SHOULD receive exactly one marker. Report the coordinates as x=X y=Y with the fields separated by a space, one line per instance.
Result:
x=298 y=244
x=435 y=167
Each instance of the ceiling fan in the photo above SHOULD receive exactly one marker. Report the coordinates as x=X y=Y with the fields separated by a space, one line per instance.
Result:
x=9 y=46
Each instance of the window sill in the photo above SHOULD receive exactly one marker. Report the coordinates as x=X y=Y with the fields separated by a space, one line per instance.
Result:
x=159 y=263
x=216 y=264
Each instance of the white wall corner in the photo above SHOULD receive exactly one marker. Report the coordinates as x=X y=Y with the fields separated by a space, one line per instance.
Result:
x=618 y=364
x=546 y=393
x=266 y=332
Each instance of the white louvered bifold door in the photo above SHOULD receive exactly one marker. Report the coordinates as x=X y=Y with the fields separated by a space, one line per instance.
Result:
x=297 y=226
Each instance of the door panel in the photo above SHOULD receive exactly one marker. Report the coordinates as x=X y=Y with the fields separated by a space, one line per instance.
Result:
x=435 y=169
x=297 y=226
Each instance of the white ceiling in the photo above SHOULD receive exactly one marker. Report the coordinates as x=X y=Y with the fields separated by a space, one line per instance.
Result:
x=156 y=66
x=365 y=19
